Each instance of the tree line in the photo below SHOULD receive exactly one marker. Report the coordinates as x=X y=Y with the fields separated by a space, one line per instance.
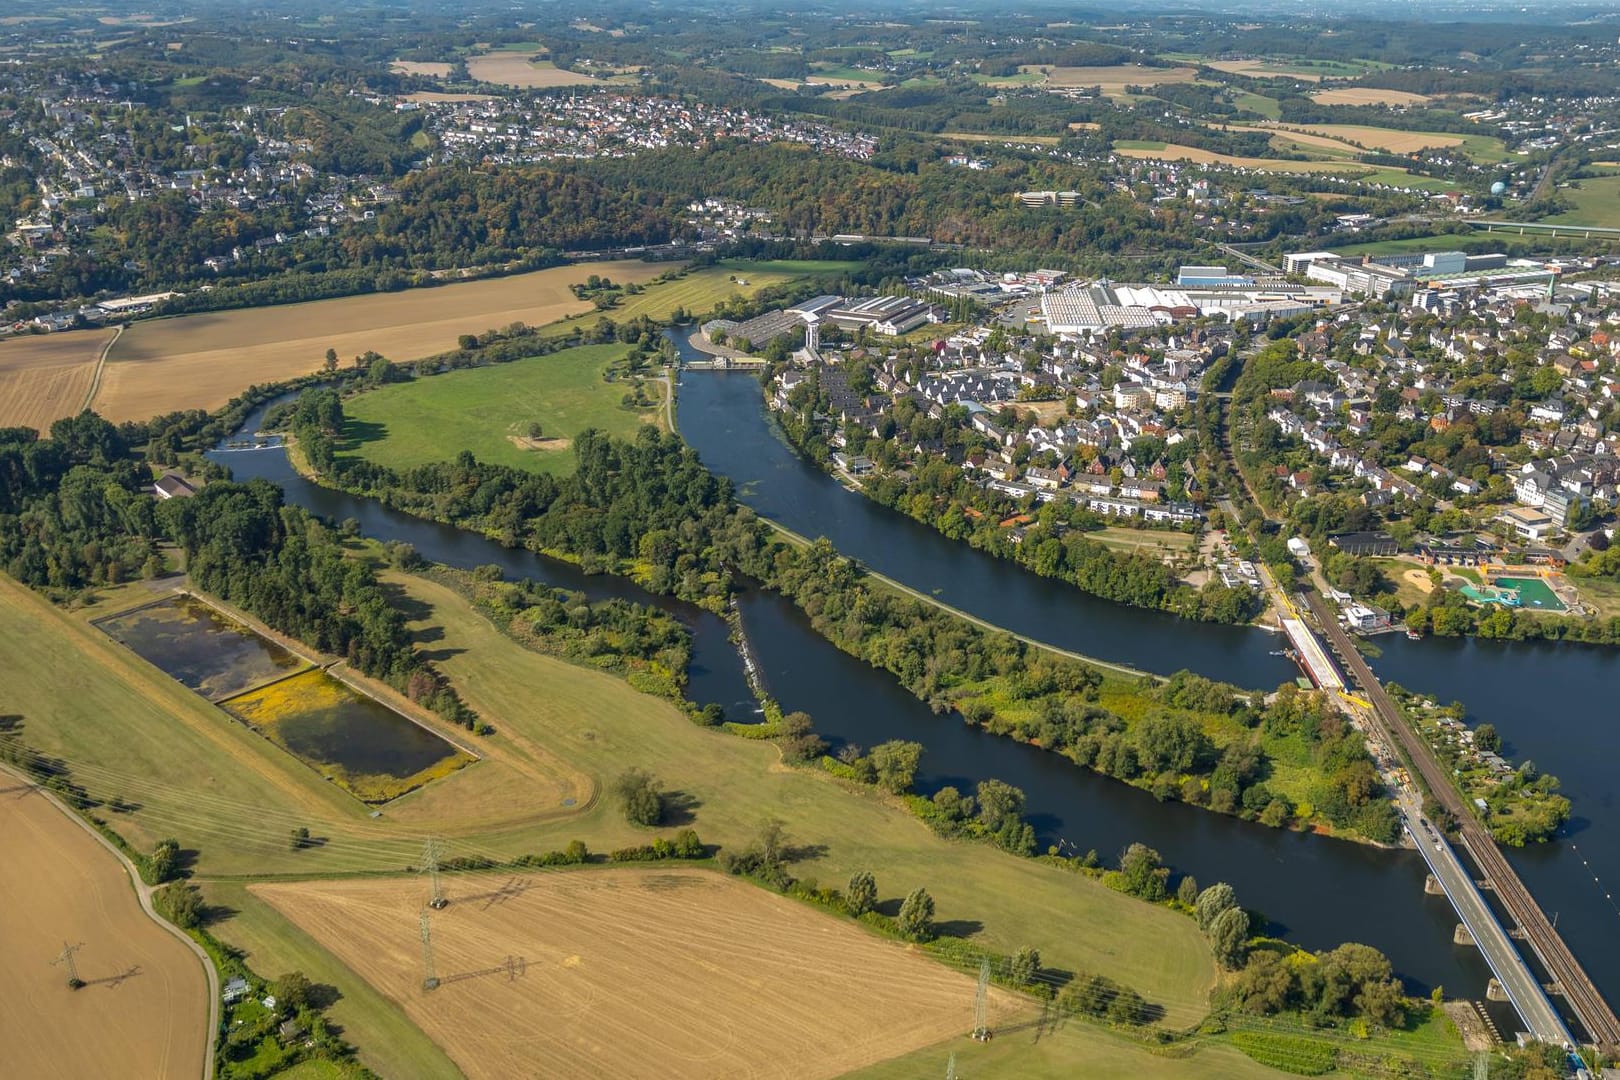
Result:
x=650 y=507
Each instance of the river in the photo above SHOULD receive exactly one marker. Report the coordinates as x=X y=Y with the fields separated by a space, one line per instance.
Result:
x=1318 y=892
x=1551 y=702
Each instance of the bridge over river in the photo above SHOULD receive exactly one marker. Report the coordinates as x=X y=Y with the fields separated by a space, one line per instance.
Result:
x=1522 y=988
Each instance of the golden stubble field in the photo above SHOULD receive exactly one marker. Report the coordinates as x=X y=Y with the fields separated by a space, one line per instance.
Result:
x=61 y=886
x=1114 y=79
x=418 y=67
x=1199 y=155
x=1261 y=69
x=1395 y=142
x=514 y=69
x=1368 y=95
x=44 y=377
x=202 y=361
x=637 y=972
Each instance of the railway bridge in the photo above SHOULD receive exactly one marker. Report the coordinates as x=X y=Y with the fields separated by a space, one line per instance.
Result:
x=1593 y=1012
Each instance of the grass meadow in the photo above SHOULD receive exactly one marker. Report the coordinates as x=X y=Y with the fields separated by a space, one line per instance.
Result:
x=227 y=793
x=488 y=409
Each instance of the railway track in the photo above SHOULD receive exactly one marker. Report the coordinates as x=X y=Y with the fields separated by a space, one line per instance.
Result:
x=1593 y=1012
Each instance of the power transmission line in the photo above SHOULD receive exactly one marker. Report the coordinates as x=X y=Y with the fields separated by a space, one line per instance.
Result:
x=65 y=957
x=981 y=1004
x=430 y=866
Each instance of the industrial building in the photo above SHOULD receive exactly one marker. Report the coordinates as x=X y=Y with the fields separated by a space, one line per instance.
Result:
x=1380 y=276
x=888 y=315
x=1097 y=308
x=1049 y=198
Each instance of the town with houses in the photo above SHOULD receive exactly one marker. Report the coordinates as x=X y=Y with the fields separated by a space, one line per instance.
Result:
x=1478 y=390
x=589 y=124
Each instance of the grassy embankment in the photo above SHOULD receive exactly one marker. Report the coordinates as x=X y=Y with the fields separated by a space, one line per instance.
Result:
x=225 y=791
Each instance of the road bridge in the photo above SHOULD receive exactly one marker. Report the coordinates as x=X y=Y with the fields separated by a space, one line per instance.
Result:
x=1517 y=981
x=1587 y=232
x=1248 y=260
x=1594 y=1014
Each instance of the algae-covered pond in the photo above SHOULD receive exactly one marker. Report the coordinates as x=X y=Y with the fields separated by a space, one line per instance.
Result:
x=199 y=647
x=372 y=751
x=356 y=741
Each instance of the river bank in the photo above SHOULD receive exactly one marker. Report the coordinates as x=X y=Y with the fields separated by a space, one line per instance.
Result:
x=1507 y=684
x=1288 y=874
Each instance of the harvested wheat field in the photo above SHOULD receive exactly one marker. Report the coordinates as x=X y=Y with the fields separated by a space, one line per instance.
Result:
x=44 y=377
x=1368 y=95
x=417 y=67
x=515 y=69
x=637 y=972
x=1114 y=80
x=1198 y=155
x=432 y=97
x=63 y=886
x=202 y=361
x=1262 y=69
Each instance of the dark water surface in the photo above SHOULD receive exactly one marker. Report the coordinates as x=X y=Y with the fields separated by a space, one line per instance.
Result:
x=198 y=647
x=1318 y=892
x=355 y=731
x=1554 y=704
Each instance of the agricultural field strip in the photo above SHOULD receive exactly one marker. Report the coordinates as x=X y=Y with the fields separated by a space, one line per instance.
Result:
x=201 y=361
x=767 y=951
x=45 y=377
x=74 y=882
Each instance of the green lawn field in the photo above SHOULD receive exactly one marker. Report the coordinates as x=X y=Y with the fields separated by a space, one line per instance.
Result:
x=745 y=268
x=1258 y=103
x=1471 y=241
x=487 y=410
x=1070 y=1048
x=1595 y=202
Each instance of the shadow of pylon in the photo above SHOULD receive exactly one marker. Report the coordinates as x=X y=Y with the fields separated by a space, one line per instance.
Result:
x=514 y=968
x=115 y=980
x=513 y=888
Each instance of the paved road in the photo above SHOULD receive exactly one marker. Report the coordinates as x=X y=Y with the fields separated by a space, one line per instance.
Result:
x=1506 y=964
x=1583 y=997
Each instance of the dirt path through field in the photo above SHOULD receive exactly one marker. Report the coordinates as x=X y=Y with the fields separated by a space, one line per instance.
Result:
x=101 y=363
